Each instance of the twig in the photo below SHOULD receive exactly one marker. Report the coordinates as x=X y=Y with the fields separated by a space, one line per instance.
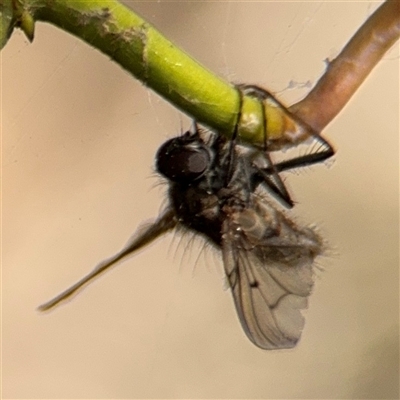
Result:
x=139 y=48
x=348 y=71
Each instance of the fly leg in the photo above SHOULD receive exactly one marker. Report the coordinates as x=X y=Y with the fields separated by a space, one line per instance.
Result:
x=269 y=176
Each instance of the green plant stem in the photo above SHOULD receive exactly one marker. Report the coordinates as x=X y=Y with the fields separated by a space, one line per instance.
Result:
x=140 y=49
x=6 y=21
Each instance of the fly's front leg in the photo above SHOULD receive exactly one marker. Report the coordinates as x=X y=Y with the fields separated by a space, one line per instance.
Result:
x=270 y=177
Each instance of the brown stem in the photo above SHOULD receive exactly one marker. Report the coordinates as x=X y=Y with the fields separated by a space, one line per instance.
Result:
x=346 y=73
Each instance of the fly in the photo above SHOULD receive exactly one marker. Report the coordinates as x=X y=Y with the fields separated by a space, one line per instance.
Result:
x=220 y=190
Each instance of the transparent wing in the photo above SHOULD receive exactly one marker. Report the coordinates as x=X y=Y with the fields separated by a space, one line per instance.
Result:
x=142 y=237
x=270 y=281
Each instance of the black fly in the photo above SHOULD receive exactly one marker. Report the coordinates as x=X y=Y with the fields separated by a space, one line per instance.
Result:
x=218 y=189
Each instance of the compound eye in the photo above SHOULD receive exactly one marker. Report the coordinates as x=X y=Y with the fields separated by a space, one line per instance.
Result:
x=182 y=162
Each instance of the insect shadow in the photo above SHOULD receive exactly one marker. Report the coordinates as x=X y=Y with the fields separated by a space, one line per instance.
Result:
x=221 y=190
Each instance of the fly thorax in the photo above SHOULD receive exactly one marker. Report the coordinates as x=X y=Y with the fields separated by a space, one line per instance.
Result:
x=198 y=210
x=210 y=207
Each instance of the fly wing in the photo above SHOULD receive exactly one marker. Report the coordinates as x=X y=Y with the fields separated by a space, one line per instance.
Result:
x=145 y=235
x=270 y=282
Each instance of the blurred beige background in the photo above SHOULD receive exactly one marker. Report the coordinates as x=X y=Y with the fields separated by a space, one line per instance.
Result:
x=79 y=138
